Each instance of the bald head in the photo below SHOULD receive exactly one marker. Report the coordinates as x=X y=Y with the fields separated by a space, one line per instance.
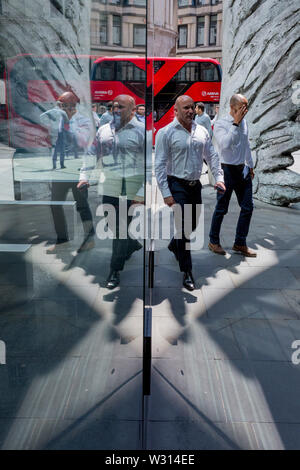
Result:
x=183 y=99
x=126 y=100
x=238 y=108
x=238 y=100
x=185 y=110
x=124 y=106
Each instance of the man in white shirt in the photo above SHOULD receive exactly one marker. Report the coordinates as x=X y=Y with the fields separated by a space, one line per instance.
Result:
x=120 y=152
x=80 y=128
x=180 y=149
x=231 y=134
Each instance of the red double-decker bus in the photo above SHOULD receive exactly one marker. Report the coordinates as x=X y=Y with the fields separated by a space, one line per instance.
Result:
x=33 y=84
x=158 y=82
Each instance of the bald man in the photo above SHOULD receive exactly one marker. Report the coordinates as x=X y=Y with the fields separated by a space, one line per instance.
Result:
x=120 y=152
x=231 y=134
x=180 y=149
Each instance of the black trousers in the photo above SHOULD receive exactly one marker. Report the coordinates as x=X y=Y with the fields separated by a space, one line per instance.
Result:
x=183 y=194
x=234 y=181
x=59 y=192
x=122 y=249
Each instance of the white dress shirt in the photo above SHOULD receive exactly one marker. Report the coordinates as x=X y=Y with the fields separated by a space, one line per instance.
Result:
x=121 y=155
x=204 y=120
x=180 y=153
x=232 y=142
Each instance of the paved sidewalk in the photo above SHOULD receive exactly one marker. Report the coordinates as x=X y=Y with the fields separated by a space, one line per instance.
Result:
x=222 y=376
x=222 y=371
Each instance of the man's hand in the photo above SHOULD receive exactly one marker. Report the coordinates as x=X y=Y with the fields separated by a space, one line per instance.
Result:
x=239 y=114
x=220 y=186
x=169 y=201
x=251 y=173
x=83 y=185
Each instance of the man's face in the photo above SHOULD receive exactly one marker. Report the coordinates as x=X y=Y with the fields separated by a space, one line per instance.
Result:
x=124 y=108
x=69 y=108
x=185 y=110
x=198 y=110
x=235 y=108
x=141 y=110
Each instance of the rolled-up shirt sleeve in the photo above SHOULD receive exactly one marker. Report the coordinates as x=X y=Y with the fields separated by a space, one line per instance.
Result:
x=212 y=158
x=248 y=156
x=226 y=137
x=161 y=160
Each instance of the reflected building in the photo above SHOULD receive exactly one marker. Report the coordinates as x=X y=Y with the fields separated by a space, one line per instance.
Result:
x=118 y=27
x=200 y=28
x=180 y=27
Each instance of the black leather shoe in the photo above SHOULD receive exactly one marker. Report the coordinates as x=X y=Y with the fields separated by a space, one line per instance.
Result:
x=173 y=250
x=188 y=281
x=113 y=280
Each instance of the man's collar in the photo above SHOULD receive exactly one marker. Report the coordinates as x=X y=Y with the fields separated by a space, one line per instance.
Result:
x=176 y=123
x=132 y=123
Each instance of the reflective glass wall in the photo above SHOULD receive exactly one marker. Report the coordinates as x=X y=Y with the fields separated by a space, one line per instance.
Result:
x=72 y=149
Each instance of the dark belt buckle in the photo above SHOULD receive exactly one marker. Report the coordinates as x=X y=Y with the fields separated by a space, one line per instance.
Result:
x=192 y=183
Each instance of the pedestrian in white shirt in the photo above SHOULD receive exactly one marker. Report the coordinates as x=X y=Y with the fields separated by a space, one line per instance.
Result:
x=120 y=159
x=180 y=149
x=231 y=134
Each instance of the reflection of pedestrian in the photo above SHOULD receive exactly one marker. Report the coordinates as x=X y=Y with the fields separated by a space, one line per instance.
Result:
x=95 y=116
x=214 y=120
x=79 y=128
x=56 y=119
x=231 y=134
x=107 y=116
x=140 y=112
x=180 y=149
x=120 y=149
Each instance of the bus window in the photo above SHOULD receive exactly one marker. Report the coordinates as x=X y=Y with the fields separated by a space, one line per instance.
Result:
x=197 y=72
x=104 y=71
x=209 y=72
x=157 y=64
x=128 y=71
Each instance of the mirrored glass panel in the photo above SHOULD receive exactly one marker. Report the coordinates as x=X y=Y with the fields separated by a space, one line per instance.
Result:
x=72 y=149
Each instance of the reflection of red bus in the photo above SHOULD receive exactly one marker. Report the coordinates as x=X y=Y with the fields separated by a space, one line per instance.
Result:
x=167 y=78
x=33 y=84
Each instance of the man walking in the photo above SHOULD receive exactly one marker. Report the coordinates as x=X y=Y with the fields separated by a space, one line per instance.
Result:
x=181 y=147
x=231 y=134
x=120 y=158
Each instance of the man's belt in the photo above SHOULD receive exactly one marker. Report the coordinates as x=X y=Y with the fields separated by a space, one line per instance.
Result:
x=184 y=181
x=240 y=166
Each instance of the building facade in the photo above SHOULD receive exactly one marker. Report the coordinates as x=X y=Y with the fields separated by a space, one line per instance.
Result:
x=174 y=27
x=118 y=27
x=200 y=28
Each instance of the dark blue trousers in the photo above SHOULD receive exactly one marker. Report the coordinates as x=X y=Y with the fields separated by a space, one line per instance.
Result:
x=184 y=194
x=234 y=181
x=59 y=149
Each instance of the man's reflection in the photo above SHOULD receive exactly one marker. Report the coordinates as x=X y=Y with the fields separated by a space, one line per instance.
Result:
x=120 y=151
x=76 y=129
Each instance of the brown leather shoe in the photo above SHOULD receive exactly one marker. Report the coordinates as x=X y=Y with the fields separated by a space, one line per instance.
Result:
x=216 y=248
x=244 y=250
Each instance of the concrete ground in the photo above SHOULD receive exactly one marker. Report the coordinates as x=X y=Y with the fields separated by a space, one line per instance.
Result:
x=222 y=370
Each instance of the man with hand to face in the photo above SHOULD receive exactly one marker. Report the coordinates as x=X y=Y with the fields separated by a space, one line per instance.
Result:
x=181 y=147
x=231 y=134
